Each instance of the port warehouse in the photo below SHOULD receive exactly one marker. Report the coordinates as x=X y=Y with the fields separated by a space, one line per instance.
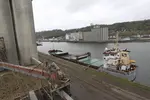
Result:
x=97 y=34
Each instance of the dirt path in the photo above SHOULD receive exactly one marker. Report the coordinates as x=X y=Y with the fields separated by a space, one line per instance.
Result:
x=92 y=85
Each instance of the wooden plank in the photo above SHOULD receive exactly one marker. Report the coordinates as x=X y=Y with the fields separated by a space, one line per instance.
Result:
x=64 y=95
x=32 y=95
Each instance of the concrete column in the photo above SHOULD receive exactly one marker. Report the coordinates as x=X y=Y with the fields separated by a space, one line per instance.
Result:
x=25 y=31
x=107 y=32
x=101 y=32
x=7 y=31
x=104 y=32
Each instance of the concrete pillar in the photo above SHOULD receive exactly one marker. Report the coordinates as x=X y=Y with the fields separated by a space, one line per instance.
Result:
x=25 y=31
x=7 y=31
x=107 y=32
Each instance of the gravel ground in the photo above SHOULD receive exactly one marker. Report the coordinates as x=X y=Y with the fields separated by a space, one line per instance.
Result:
x=13 y=85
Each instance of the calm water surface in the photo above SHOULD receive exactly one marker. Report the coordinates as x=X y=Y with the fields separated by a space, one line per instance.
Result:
x=139 y=52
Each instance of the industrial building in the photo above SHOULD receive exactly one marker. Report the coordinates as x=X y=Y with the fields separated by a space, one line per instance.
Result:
x=97 y=34
x=77 y=36
x=17 y=31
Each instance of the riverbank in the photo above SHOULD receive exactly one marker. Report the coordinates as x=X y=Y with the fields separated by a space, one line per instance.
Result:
x=90 y=84
x=109 y=41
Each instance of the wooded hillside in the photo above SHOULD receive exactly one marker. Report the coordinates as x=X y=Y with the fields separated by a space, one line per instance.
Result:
x=125 y=29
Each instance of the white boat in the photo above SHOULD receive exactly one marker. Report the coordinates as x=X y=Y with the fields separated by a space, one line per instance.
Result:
x=118 y=60
x=38 y=43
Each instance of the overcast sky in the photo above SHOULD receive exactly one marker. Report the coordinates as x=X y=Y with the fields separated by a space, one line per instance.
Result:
x=67 y=14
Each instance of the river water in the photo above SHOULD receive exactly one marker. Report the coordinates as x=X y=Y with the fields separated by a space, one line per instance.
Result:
x=139 y=52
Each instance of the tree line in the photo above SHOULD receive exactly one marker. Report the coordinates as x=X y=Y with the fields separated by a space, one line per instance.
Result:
x=124 y=28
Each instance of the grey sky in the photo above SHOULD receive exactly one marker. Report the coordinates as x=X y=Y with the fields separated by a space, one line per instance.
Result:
x=66 y=14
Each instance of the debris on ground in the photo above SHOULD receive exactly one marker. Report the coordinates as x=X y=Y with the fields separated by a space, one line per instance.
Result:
x=13 y=85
